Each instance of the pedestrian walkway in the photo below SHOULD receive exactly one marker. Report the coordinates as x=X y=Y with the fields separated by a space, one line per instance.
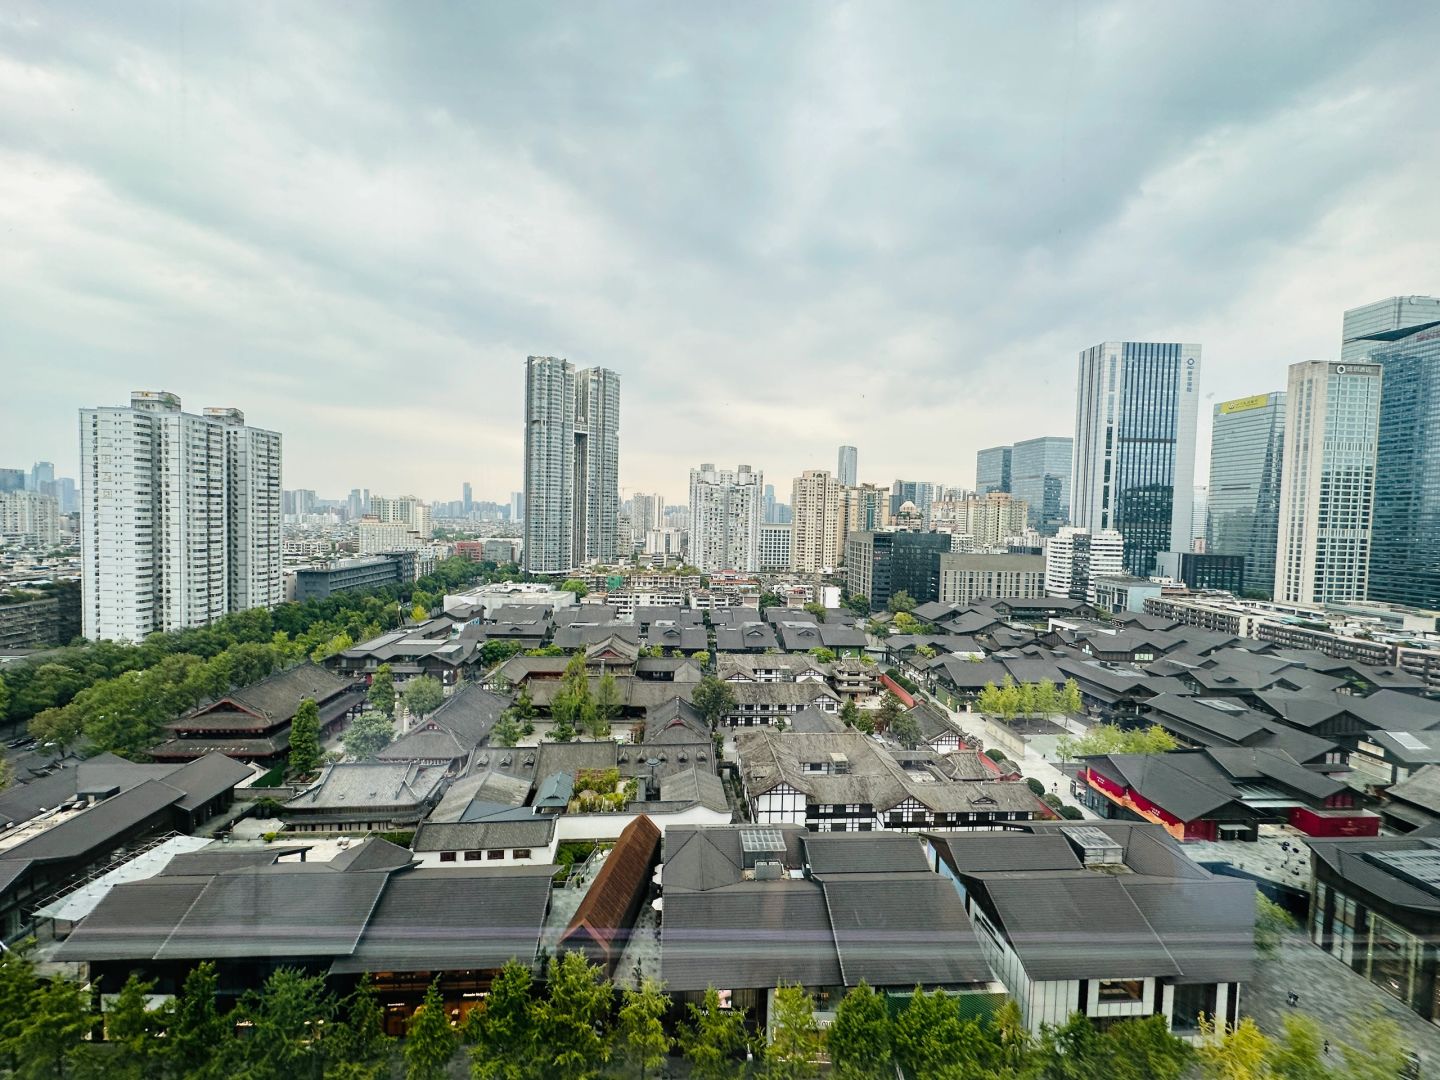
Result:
x=1033 y=763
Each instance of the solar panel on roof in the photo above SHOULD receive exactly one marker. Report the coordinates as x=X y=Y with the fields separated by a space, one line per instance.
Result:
x=761 y=840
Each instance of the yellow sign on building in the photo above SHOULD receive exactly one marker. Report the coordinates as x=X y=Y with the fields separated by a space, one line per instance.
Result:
x=1245 y=404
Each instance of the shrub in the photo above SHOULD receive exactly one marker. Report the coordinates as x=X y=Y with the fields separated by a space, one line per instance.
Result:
x=1035 y=785
x=1071 y=813
x=1052 y=801
x=995 y=754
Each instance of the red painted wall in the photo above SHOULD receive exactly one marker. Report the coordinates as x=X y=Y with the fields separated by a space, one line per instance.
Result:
x=1312 y=823
x=898 y=690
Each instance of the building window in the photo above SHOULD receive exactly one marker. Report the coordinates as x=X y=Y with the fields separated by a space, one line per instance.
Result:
x=496 y=854
x=522 y=853
x=1122 y=989
x=447 y=856
x=472 y=856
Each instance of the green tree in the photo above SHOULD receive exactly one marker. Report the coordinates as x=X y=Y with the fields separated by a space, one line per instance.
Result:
x=576 y=586
x=367 y=735
x=1144 y=1049
x=713 y=698
x=988 y=700
x=640 y=1034
x=795 y=1036
x=422 y=695
x=505 y=1034
x=701 y=657
x=51 y=1037
x=498 y=651
x=1238 y=1053
x=1376 y=1048
x=305 y=750
x=1046 y=699
x=1074 y=1050
x=382 y=690
x=858 y=604
x=7 y=774
x=430 y=1041
x=4 y=699
x=901 y=600
x=1272 y=923
x=358 y=1043
x=889 y=711
x=929 y=1038
x=607 y=705
x=849 y=713
x=574 y=1016
x=713 y=1039
x=286 y=1017
x=523 y=706
x=133 y=1029
x=197 y=1029
x=506 y=731
x=859 y=1038
x=1298 y=1053
x=818 y=610
x=1070 y=701
x=823 y=655
x=18 y=988
x=905 y=623
x=865 y=721
x=906 y=729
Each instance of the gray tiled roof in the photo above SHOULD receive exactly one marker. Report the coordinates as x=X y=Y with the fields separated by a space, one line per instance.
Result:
x=98 y=826
x=349 y=785
x=982 y=852
x=205 y=778
x=276 y=911
x=472 y=919
x=902 y=930
x=280 y=695
x=1207 y=926
x=1080 y=925
x=133 y=920
x=853 y=853
x=1421 y=788
x=751 y=935
x=695 y=785
x=534 y=832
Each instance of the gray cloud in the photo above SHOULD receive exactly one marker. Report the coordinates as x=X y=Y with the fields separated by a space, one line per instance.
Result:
x=787 y=226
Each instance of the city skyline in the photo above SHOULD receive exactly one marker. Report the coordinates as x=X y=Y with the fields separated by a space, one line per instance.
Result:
x=301 y=257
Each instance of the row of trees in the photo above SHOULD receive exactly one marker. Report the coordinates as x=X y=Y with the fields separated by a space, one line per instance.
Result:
x=111 y=696
x=1112 y=739
x=583 y=1028
x=576 y=710
x=1011 y=699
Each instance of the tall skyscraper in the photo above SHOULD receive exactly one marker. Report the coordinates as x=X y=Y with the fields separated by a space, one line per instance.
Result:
x=1405 y=544
x=769 y=510
x=815 y=504
x=1366 y=327
x=1075 y=557
x=648 y=513
x=42 y=477
x=992 y=470
x=252 y=512
x=572 y=464
x=597 y=465
x=1040 y=474
x=1135 y=412
x=12 y=480
x=988 y=520
x=863 y=508
x=168 y=502
x=28 y=517
x=919 y=492
x=848 y=466
x=467 y=498
x=517 y=506
x=1247 y=443
x=725 y=511
x=1327 y=486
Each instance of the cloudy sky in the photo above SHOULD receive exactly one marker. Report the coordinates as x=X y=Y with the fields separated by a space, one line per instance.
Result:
x=787 y=225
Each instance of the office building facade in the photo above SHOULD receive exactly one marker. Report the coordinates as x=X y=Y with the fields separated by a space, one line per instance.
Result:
x=993 y=469
x=572 y=465
x=815 y=505
x=29 y=518
x=648 y=512
x=1203 y=571
x=1075 y=557
x=775 y=548
x=965 y=578
x=725 y=511
x=1327 y=486
x=158 y=537
x=1398 y=316
x=847 y=470
x=1405 y=540
x=1040 y=475
x=1136 y=405
x=880 y=564
x=863 y=508
x=1247 y=446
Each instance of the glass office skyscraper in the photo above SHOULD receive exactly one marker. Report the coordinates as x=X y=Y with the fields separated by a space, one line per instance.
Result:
x=1040 y=474
x=1246 y=446
x=992 y=470
x=1405 y=546
x=1327 y=486
x=847 y=466
x=1135 y=414
x=1399 y=316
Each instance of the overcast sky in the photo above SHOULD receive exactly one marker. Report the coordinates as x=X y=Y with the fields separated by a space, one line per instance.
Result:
x=787 y=226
